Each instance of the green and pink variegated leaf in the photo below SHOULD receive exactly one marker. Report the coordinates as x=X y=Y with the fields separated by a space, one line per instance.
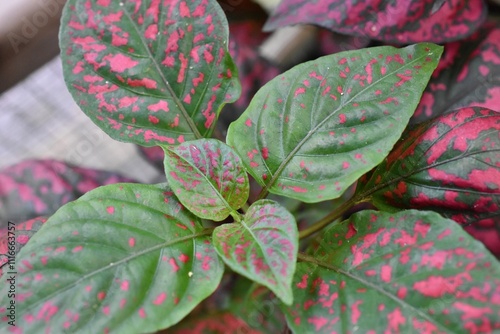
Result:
x=410 y=272
x=314 y=130
x=148 y=71
x=124 y=258
x=402 y=21
x=451 y=165
x=263 y=246
x=468 y=75
x=208 y=178
x=11 y=243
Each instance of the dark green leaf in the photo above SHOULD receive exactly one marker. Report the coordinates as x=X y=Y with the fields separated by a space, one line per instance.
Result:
x=311 y=132
x=125 y=258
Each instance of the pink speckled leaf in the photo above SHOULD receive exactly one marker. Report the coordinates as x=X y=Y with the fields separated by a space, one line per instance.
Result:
x=468 y=75
x=33 y=188
x=450 y=165
x=124 y=258
x=207 y=177
x=402 y=21
x=410 y=272
x=148 y=71
x=262 y=246
x=313 y=131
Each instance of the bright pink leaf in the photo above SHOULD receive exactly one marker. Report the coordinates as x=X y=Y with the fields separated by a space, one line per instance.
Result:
x=402 y=22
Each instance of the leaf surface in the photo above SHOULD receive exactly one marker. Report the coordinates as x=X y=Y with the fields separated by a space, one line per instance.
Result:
x=401 y=22
x=313 y=131
x=125 y=258
x=451 y=165
x=148 y=72
x=262 y=247
x=208 y=177
x=410 y=272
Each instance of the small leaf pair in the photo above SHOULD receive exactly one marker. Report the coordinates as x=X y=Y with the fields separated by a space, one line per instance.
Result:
x=211 y=182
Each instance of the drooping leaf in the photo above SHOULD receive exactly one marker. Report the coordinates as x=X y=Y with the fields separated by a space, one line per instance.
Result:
x=208 y=177
x=262 y=247
x=125 y=258
x=411 y=272
x=35 y=188
x=468 y=75
x=314 y=130
x=148 y=72
x=14 y=237
x=401 y=22
x=451 y=165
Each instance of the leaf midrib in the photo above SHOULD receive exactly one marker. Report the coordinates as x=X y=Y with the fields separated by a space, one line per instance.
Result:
x=207 y=179
x=177 y=101
x=264 y=254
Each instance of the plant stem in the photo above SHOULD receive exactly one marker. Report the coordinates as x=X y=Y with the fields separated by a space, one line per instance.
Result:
x=263 y=194
x=245 y=207
x=337 y=213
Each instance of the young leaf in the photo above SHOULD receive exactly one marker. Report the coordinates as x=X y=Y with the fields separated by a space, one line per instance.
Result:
x=401 y=22
x=450 y=165
x=468 y=75
x=148 y=72
x=125 y=258
x=411 y=272
x=262 y=247
x=313 y=131
x=208 y=178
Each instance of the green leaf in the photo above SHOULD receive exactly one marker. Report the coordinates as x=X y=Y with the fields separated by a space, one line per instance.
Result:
x=124 y=258
x=148 y=72
x=207 y=177
x=313 y=131
x=450 y=165
x=262 y=247
x=410 y=272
